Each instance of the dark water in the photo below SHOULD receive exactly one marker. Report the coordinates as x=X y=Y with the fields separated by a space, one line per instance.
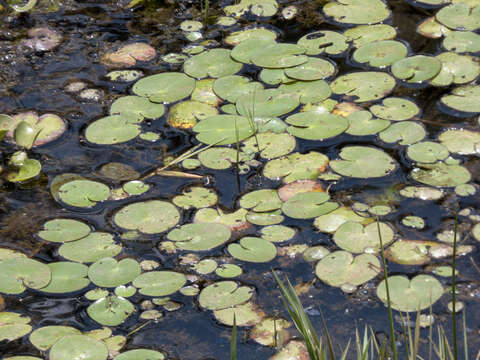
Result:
x=35 y=81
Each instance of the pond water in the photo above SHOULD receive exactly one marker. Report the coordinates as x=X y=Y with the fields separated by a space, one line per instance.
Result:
x=355 y=123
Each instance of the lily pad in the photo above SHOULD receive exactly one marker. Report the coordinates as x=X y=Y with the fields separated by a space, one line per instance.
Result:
x=43 y=338
x=78 y=347
x=361 y=123
x=380 y=53
x=364 y=86
x=196 y=197
x=307 y=91
x=357 y=12
x=205 y=266
x=221 y=158
x=265 y=218
x=124 y=75
x=83 y=193
x=274 y=55
x=261 y=200
x=312 y=125
x=270 y=102
x=396 y=109
x=422 y=192
x=107 y=272
x=224 y=294
x=236 y=221
x=66 y=277
x=231 y=87
x=459 y=16
x=214 y=63
x=462 y=42
x=364 y=34
x=95 y=246
x=463 y=98
x=247 y=314
x=199 y=237
x=186 y=114
x=324 y=42
x=165 y=87
x=137 y=106
x=405 y=133
x=237 y=37
x=270 y=331
x=64 y=230
x=431 y=28
x=296 y=166
x=427 y=152
x=252 y=249
x=111 y=310
x=224 y=129
x=441 y=174
x=159 y=283
x=341 y=267
x=149 y=217
x=229 y=271
x=128 y=55
x=269 y=144
x=356 y=238
x=308 y=205
x=313 y=69
x=460 y=141
x=417 y=68
x=140 y=354
x=113 y=129
x=277 y=233
x=13 y=326
x=18 y=273
x=411 y=295
x=28 y=169
x=330 y=222
x=412 y=252
x=456 y=69
x=363 y=162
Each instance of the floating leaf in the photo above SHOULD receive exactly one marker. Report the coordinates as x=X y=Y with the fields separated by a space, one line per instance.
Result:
x=357 y=12
x=196 y=197
x=199 y=237
x=270 y=331
x=270 y=102
x=315 y=253
x=275 y=77
x=113 y=129
x=231 y=87
x=66 y=277
x=459 y=16
x=149 y=217
x=13 y=326
x=29 y=169
x=43 y=338
x=165 y=87
x=441 y=174
x=186 y=114
x=396 y=109
x=330 y=222
x=237 y=37
x=124 y=75
x=463 y=98
x=224 y=294
x=456 y=69
x=427 y=152
x=356 y=238
x=271 y=145
x=363 y=162
x=18 y=273
x=83 y=193
x=137 y=106
x=205 y=266
x=341 y=267
x=261 y=200
x=265 y=218
x=128 y=55
x=312 y=125
x=274 y=55
x=296 y=166
x=95 y=246
x=405 y=133
x=247 y=314
x=214 y=63
x=407 y=295
x=417 y=68
x=78 y=347
x=365 y=34
x=235 y=221
x=361 y=124
x=64 y=230
x=364 y=86
x=140 y=354
x=111 y=310
x=159 y=283
x=431 y=28
x=252 y=249
x=461 y=141
x=107 y=272
x=223 y=129
x=421 y=192
x=229 y=271
x=412 y=252
x=308 y=205
x=313 y=69
x=380 y=53
x=324 y=42
x=462 y=42
x=277 y=233
x=221 y=158
x=135 y=187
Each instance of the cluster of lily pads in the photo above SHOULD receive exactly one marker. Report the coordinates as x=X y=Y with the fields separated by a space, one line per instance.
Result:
x=250 y=105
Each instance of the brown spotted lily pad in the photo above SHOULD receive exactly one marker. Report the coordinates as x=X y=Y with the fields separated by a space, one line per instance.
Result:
x=128 y=55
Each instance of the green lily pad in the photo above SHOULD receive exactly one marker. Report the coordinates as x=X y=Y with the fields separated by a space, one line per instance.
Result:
x=421 y=192
x=186 y=114
x=417 y=68
x=460 y=141
x=224 y=129
x=224 y=294
x=427 y=152
x=395 y=109
x=29 y=169
x=204 y=93
x=274 y=77
x=165 y=87
x=66 y=277
x=125 y=291
x=361 y=123
x=315 y=253
x=476 y=232
x=205 y=266
x=18 y=273
x=107 y=272
x=265 y=218
x=416 y=294
x=465 y=189
x=405 y=133
x=363 y=162
x=312 y=125
x=463 y=98
x=364 y=86
x=24 y=134
x=270 y=331
x=431 y=28
x=114 y=129
x=411 y=252
x=83 y=193
x=324 y=42
x=413 y=222
x=263 y=8
x=456 y=69
x=288 y=191
x=235 y=221
x=294 y=349
x=247 y=49
x=274 y=55
x=124 y=75
x=196 y=197
x=135 y=187
x=237 y=37
x=9 y=254
x=140 y=354
x=159 y=283
x=271 y=145
x=308 y=205
x=459 y=16
x=199 y=237
x=313 y=69
x=364 y=34
x=357 y=12
x=307 y=91
x=462 y=42
x=356 y=238
x=277 y=233
x=78 y=347
x=341 y=267
x=252 y=249
x=329 y=223
x=111 y=310
x=229 y=271
x=95 y=246
x=214 y=63
x=247 y=314
x=64 y=230
x=96 y=294
x=441 y=175
x=43 y=338
x=149 y=217
x=13 y=326
x=137 y=106
x=268 y=103
x=190 y=25
x=296 y=166
x=380 y=53
x=232 y=87
x=221 y=158
x=380 y=210
x=261 y=200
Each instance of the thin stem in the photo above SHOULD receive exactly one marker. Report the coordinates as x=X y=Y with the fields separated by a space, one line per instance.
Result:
x=454 y=310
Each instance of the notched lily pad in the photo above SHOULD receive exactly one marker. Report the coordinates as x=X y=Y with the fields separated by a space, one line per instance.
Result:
x=380 y=53
x=296 y=166
x=83 y=193
x=199 y=237
x=13 y=326
x=364 y=86
x=43 y=338
x=441 y=174
x=186 y=114
x=417 y=68
x=465 y=99
x=324 y=42
x=159 y=283
x=78 y=347
x=396 y=109
x=224 y=294
x=18 y=273
x=356 y=238
x=196 y=197
x=214 y=63
x=95 y=246
x=357 y=12
x=111 y=310
x=252 y=249
x=107 y=272
x=405 y=133
x=312 y=125
x=165 y=87
x=64 y=230
x=308 y=205
x=363 y=162
x=66 y=277
x=460 y=141
x=247 y=314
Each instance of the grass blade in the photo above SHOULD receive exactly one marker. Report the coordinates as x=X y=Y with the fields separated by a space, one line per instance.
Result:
x=233 y=341
x=454 y=287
